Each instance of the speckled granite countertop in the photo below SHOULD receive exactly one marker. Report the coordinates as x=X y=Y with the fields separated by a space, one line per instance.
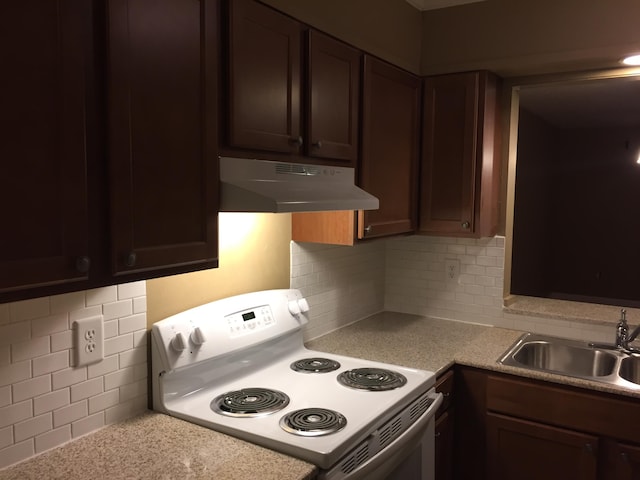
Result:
x=435 y=345
x=156 y=446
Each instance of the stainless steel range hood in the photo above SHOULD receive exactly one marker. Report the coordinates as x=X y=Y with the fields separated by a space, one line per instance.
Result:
x=249 y=185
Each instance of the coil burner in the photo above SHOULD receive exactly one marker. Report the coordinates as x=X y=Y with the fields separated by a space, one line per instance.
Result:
x=372 y=379
x=313 y=422
x=315 y=365
x=250 y=402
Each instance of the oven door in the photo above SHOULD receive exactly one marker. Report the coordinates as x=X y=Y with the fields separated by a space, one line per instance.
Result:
x=411 y=456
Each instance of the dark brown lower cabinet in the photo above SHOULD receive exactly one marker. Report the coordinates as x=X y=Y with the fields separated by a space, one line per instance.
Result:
x=509 y=427
x=444 y=445
x=522 y=450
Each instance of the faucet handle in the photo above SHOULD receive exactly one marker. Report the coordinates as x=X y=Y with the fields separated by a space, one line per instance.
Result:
x=623 y=315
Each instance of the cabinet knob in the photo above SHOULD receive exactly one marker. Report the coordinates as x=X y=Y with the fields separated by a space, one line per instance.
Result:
x=296 y=142
x=588 y=448
x=317 y=144
x=367 y=229
x=130 y=259
x=466 y=225
x=625 y=457
x=83 y=264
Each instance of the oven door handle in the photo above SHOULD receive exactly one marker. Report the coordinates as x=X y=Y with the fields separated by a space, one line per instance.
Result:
x=388 y=459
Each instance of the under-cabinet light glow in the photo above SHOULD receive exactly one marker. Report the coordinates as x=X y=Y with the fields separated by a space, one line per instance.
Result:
x=632 y=60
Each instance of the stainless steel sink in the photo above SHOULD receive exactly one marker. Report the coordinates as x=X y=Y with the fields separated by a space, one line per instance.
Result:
x=575 y=359
x=630 y=369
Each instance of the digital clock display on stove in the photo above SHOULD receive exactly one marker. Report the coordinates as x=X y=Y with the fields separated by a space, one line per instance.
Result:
x=248 y=316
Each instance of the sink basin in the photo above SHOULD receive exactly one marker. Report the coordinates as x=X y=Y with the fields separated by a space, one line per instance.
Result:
x=570 y=360
x=563 y=357
x=630 y=369
x=595 y=362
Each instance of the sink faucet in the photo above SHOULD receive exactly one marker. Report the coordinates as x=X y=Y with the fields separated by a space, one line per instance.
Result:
x=623 y=337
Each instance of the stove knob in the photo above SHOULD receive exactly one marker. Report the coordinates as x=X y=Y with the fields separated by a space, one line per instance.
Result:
x=304 y=305
x=197 y=336
x=294 y=308
x=178 y=343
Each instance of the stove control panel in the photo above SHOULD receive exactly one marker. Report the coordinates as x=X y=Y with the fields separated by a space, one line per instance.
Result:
x=226 y=326
x=245 y=322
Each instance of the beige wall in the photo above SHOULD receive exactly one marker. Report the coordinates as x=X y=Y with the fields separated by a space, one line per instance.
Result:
x=254 y=255
x=389 y=29
x=521 y=37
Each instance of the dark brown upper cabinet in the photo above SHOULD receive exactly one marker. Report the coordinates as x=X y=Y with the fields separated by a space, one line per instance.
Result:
x=264 y=79
x=109 y=143
x=460 y=157
x=46 y=53
x=388 y=167
x=390 y=149
x=162 y=88
x=273 y=107
x=333 y=99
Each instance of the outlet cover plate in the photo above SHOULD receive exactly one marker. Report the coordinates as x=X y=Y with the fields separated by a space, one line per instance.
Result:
x=88 y=340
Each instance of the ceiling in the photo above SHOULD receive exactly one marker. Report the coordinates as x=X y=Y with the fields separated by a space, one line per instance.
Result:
x=612 y=102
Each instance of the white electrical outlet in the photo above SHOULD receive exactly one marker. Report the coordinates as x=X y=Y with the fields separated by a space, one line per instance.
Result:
x=88 y=340
x=452 y=269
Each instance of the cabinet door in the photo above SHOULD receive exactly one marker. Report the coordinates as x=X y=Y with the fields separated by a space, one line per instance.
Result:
x=390 y=149
x=45 y=53
x=333 y=95
x=263 y=79
x=444 y=445
x=523 y=450
x=627 y=462
x=162 y=133
x=460 y=162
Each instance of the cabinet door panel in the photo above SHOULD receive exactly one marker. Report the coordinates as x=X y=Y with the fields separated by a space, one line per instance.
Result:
x=264 y=79
x=390 y=149
x=449 y=153
x=45 y=47
x=522 y=450
x=162 y=133
x=628 y=462
x=334 y=90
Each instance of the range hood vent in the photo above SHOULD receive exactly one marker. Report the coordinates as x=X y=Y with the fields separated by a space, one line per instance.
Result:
x=249 y=185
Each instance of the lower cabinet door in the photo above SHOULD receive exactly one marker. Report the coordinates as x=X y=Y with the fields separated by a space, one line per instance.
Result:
x=522 y=450
x=627 y=462
x=444 y=445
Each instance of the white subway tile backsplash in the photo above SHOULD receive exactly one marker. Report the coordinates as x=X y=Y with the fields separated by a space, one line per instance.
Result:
x=30 y=349
x=86 y=389
x=67 y=377
x=104 y=400
x=98 y=296
x=53 y=438
x=70 y=413
x=6 y=436
x=122 y=308
x=31 y=388
x=132 y=290
x=5 y=395
x=50 y=324
x=108 y=365
x=67 y=302
x=32 y=427
x=51 y=401
x=118 y=344
x=29 y=309
x=87 y=424
x=62 y=341
x=15 y=413
x=15 y=332
x=132 y=323
x=50 y=363
x=44 y=400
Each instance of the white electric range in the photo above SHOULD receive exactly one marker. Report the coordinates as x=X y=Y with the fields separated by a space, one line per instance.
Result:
x=239 y=366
